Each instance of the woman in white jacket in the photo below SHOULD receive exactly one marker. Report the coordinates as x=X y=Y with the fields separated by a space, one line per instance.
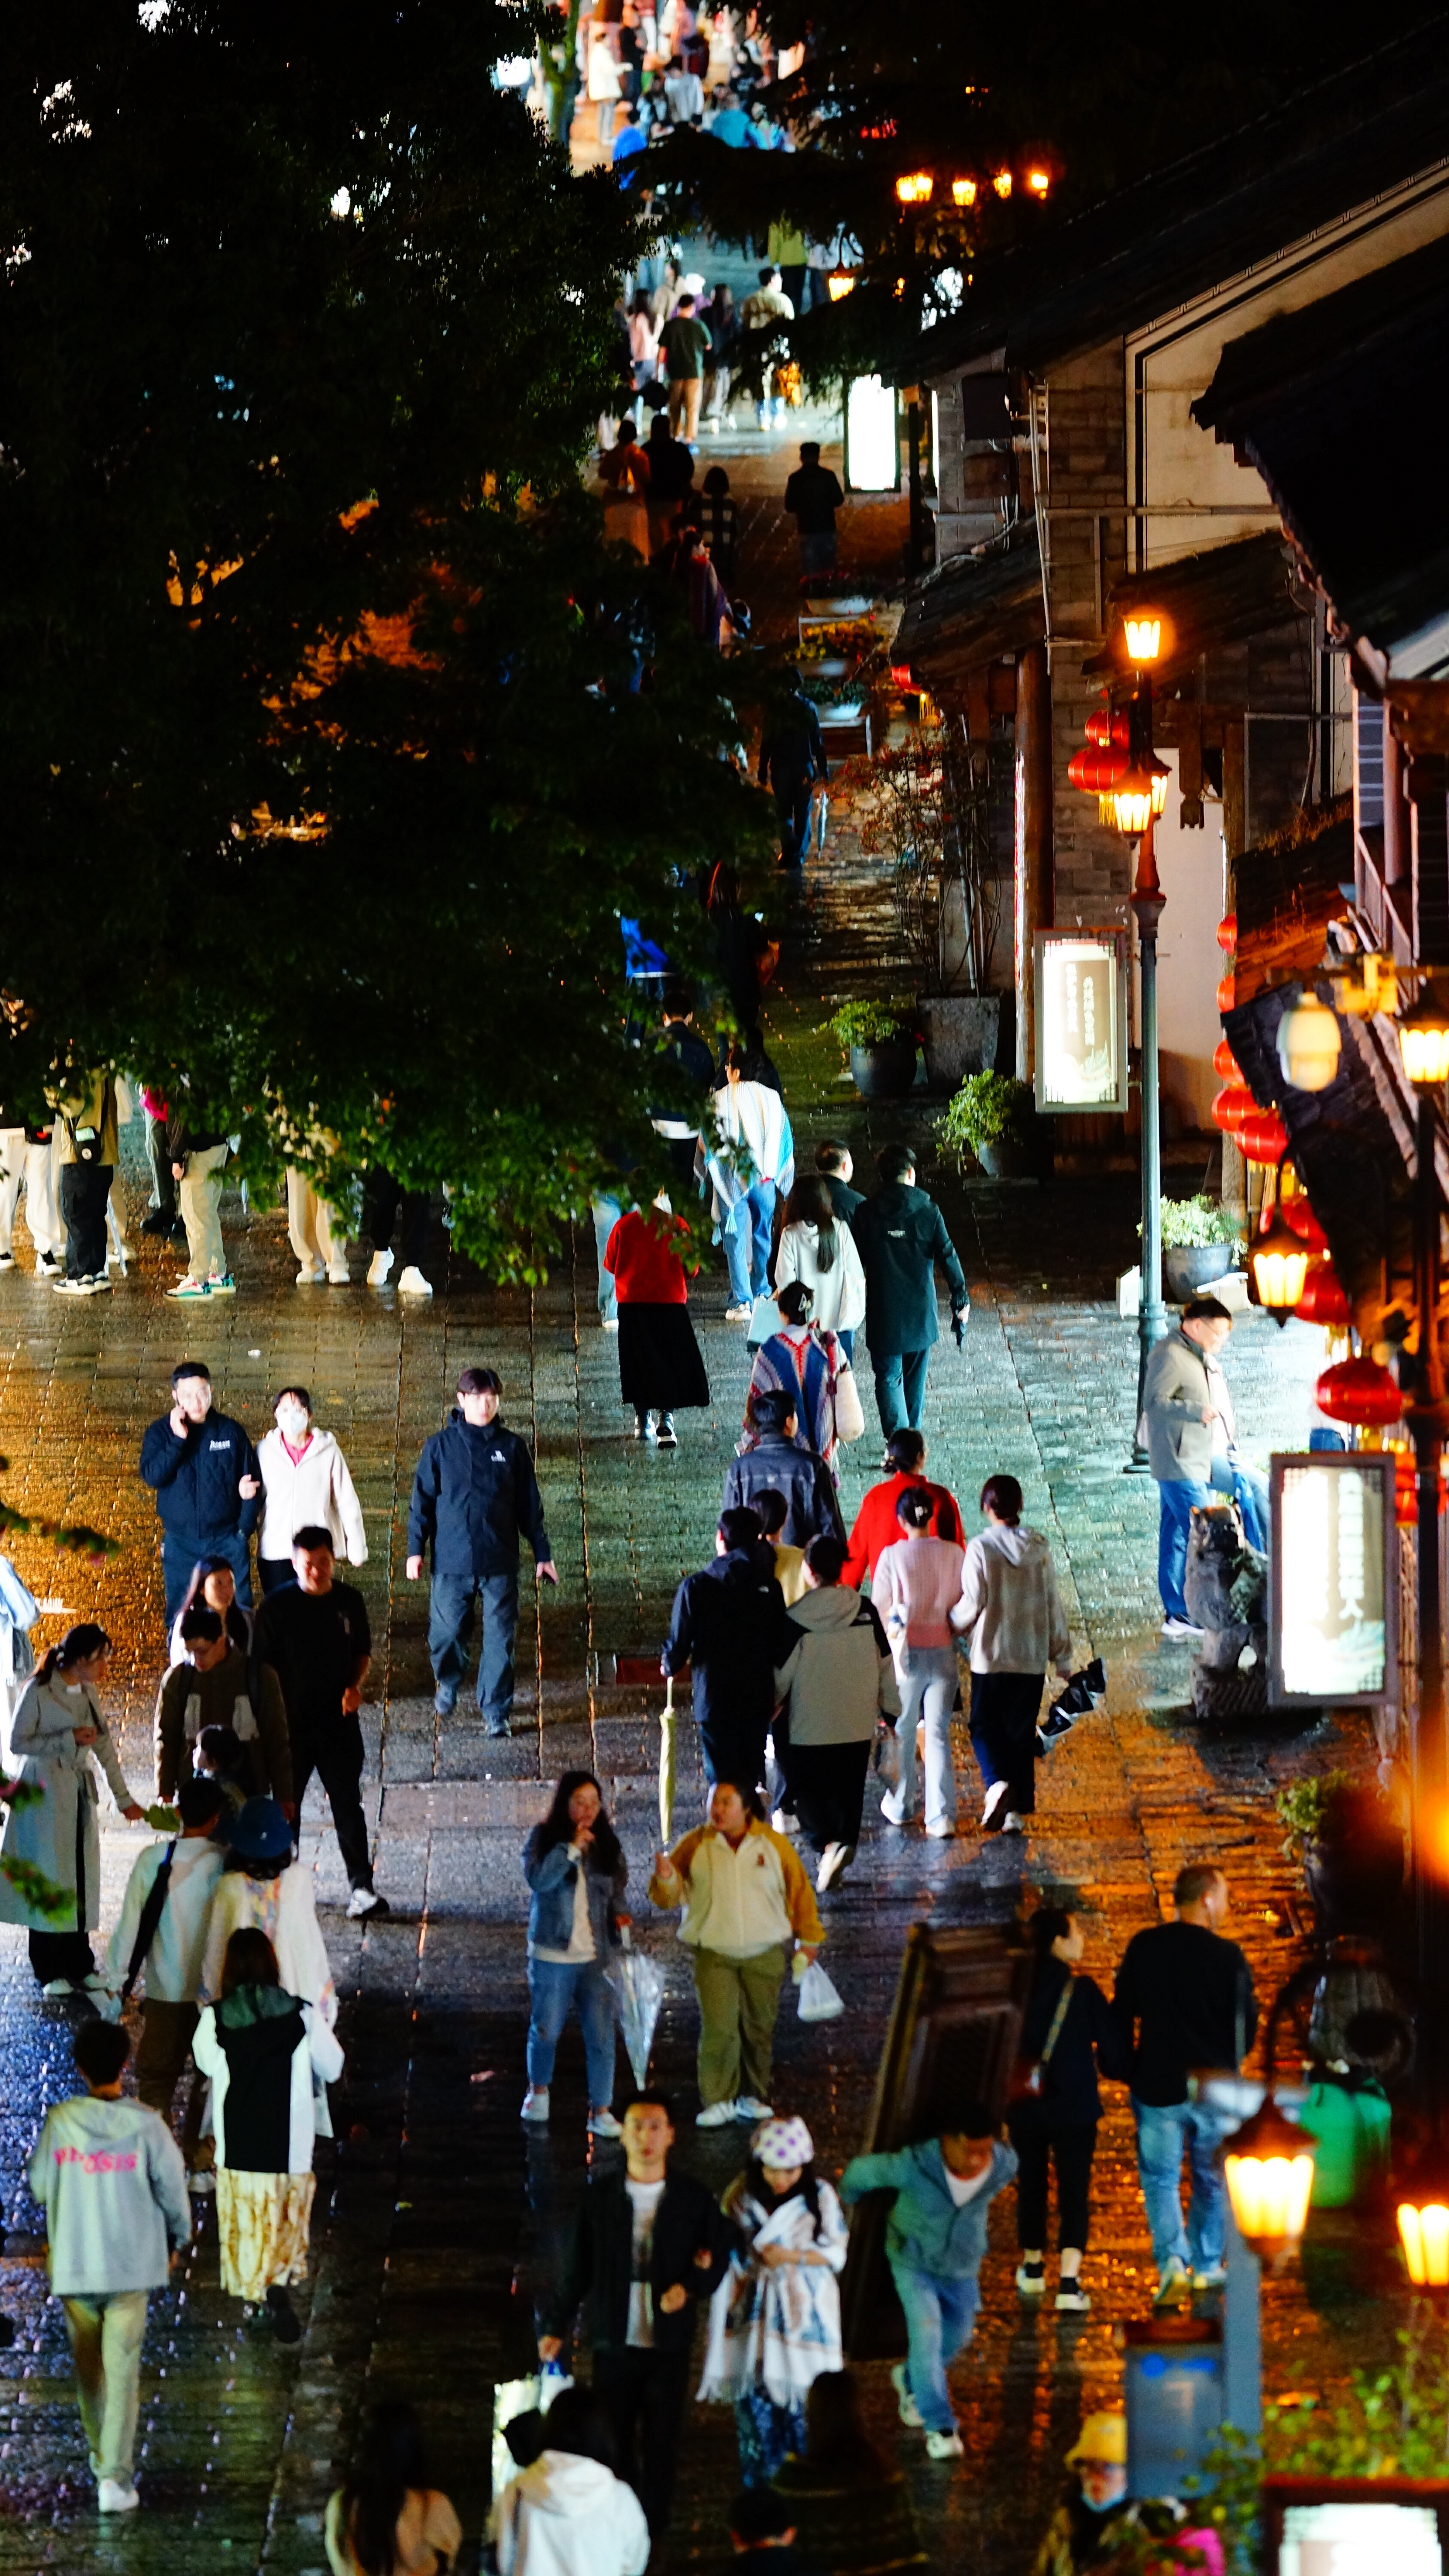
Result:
x=1012 y=1612
x=306 y=1484
x=567 y=2514
x=817 y=1249
x=52 y=1848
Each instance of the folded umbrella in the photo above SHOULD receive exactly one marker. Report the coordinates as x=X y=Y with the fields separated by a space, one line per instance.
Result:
x=638 y=1983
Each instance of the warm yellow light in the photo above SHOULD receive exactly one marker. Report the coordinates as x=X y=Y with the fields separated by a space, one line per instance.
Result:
x=1279 y=1260
x=1424 y=1042
x=1038 y=181
x=1132 y=801
x=1144 y=638
x=1002 y=183
x=915 y=188
x=1161 y=777
x=1310 y=1043
x=1424 y=2235
x=964 y=191
x=840 y=282
x=1270 y=2197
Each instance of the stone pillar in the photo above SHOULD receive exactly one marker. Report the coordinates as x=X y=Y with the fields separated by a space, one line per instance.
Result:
x=1033 y=873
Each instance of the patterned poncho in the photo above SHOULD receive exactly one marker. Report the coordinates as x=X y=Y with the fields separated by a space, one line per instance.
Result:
x=776 y=2328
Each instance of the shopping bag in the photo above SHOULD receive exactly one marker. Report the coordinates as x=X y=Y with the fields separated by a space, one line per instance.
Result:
x=886 y=1758
x=849 y=1411
x=638 y=1983
x=1085 y=1690
x=764 y=1320
x=818 y=1998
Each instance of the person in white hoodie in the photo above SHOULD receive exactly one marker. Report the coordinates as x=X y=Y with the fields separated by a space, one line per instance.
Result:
x=108 y=2175
x=1011 y=1611
x=306 y=1482
x=568 y=2515
x=750 y=1157
x=161 y=1938
x=840 y=1681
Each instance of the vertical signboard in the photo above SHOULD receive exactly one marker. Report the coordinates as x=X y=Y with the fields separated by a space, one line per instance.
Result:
x=1081 y=1020
x=872 y=436
x=1333 y=1580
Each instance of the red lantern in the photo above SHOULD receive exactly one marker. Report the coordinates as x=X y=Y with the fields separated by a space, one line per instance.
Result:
x=1303 y=1221
x=1227 y=993
x=1228 y=933
x=1263 y=1137
x=1103 y=728
x=1406 y=1489
x=1097 y=771
x=1323 y=1300
x=1359 y=1392
x=1232 y=1105
x=1226 y=1063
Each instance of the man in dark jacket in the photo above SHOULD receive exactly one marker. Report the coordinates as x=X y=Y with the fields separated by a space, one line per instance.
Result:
x=1184 y=1997
x=474 y=1491
x=836 y=1165
x=728 y=1625
x=792 y=757
x=315 y=1634
x=812 y=497
x=779 y=1463
x=901 y=1235
x=647 y=2245
x=683 y=1049
x=204 y=1473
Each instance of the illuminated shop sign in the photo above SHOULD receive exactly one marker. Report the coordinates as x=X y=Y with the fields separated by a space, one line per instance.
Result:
x=1081 y=1020
x=1333 y=1583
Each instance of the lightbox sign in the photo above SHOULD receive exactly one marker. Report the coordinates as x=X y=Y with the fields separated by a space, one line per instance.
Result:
x=1355 y=2526
x=1332 y=1580
x=1081 y=1020
x=872 y=436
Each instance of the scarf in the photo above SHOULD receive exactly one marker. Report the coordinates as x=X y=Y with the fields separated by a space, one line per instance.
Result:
x=776 y=2330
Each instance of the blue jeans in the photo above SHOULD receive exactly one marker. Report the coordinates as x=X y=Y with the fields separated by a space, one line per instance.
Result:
x=1248 y=1489
x=1162 y=2135
x=900 y=1388
x=450 y=1627
x=607 y=1213
x=180 y=1555
x=939 y=2318
x=554 y=1988
x=746 y=1238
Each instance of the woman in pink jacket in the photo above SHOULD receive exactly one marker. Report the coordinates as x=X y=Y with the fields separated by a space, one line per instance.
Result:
x=915 y=1587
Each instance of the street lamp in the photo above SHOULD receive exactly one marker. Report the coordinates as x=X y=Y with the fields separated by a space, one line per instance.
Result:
x=1268 y=2169
x=1135 y=800
x=1278 y=1264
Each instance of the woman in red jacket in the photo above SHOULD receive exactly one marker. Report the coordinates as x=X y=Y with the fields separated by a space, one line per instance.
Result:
x=660 y=1369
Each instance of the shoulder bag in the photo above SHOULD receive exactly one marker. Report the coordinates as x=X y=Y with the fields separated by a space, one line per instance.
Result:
x=1027 y=2077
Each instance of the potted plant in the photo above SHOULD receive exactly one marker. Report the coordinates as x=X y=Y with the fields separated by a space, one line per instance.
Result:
x=1200 y=1243
x=993 y=1116
x=879 y=1039
x=1351 y=1850
x=924 y=807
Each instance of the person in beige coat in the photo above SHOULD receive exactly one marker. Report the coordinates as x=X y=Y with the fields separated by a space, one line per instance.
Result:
x=744 y=1894
x=52 y=1847
x=1011 y=1612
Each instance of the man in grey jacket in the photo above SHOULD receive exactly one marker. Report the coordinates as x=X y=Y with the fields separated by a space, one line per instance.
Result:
x=108 y=2175
x=1187 y=1423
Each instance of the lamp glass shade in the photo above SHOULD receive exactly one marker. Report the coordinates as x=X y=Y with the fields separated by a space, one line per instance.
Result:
x=1132 y=801
x=1424 y=2235
x=963 y=191
x=1279 y=1262
x=1424 y=1043
x=914 y=189
x=1310 y=1043
x=1268 y=2169
x=840 y=283
x=1039 y=181
x=1001 y=182
x=1144 y=638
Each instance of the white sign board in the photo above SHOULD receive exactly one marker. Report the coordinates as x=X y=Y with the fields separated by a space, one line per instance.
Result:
x=1081 y=1020
x=1332 y=1579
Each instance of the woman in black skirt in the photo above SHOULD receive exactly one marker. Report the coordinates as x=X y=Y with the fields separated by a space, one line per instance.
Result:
x=660 y=1369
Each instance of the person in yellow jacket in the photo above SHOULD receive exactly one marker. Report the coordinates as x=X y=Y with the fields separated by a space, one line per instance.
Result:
x=744 y=1895
x=89 y=1147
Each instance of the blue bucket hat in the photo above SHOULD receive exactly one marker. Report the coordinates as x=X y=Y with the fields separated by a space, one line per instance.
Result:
x=259 y=1830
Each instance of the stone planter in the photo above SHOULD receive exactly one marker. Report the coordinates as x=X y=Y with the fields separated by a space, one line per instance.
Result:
x=1006 y=1160
x=959 y=1032
x=1194 y=1266
x=884 y=1072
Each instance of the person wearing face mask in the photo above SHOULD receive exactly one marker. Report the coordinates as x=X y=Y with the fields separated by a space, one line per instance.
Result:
x=204 y=1473
x=58 y=1725
x=305 y=1481
x=1087 y=2525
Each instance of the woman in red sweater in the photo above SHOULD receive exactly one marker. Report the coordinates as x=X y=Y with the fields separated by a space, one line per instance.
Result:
x=660 y=1369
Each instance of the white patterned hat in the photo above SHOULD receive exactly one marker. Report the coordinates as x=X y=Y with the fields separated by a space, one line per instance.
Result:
x=783 y=2144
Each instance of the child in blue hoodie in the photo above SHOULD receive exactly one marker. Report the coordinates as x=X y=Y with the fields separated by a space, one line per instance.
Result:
x=935 y=2238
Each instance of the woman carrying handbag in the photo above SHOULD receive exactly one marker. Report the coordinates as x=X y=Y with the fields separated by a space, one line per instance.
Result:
x=1053 y=2104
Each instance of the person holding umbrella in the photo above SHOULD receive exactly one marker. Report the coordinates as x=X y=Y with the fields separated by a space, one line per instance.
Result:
x=660 y=1368
x=576 y=1873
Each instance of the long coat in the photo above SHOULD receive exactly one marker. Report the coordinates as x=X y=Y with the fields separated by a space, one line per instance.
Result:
x=43 y=1743
x=901 y=1235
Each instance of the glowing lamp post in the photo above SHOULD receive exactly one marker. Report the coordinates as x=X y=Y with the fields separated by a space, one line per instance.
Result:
x=1268 y=2170
x=1424 y=2236
x=914 y=189
x=1278 y=1267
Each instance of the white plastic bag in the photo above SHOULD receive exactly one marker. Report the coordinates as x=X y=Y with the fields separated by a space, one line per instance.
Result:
x=818 y=1998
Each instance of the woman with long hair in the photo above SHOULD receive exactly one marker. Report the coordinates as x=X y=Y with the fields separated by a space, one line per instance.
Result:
x=266 y=2052
x=817 y=1249
x=264 y=1887
x=52 y=1845
x=850 y=2507
x=660 y=1368
x=1066 y=2022
x=915 y=1587
x=1011 y=1612
x=774 y=2321
x=805 y=1364
x=213 y=1587
x=576 y=1874
x=385 y=2519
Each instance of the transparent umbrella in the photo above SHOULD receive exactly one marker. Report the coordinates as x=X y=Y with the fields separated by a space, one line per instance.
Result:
x=638 y=1983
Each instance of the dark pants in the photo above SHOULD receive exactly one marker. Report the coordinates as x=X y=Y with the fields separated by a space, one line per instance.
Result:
x=1004 y=1711
x=273 y=1572
x=900 y=1388
x=792 y=807
x=334 y=1751
x=67 y=1954
x=1072 y=2149
x=167 y=2031
x=163 y=1179
x=84 y=1190
x=450 y=1629
x=733 y=1749
x=827 y=1786
x=382 y=1197
x=180 y=1555
x=645 y=2394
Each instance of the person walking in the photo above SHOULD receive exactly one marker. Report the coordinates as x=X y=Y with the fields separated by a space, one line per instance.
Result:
x=818 y=1249
x=198 y=1158
x=316 y=1232
x=263 y=1886
x=473 y=1491
x=671 y=474
x=647 y=2245
x=213 y=1587
x=219 y=1684
x=385 y=1204
x=835 y=1164
x=266 y=2052
x=744 y=1893
x=901 y=1235
x=385 y=2519
x=660 y=1369
x=774 y=2321
x=877 y=1523
x=724 y=331
x=160 y=1939
x=850 y=2506
x=315 y=1634
x=576 y=1874
x=761 y=315
x=935 y=2240
x=58 y=1726
x=305 y=1479
x=624 y=473
x=683 y=345
x=772 y=1511
x=204 y=1473
x=779 y=1461
x=750 y=1122
x=605 y=87
x=88 y=1146
x=915 y=1587
x=1011 y=1616
x=727 y=1626
x=718 y=518
x=1191 y=1437
x=109 y=2179
x=567 y=2514
x=643 y=330
x=808 y=1366
x=1068 y=2027
x=684 y=1053
x=840 y=1682
x=812 y=497
x=1184 y=1998
x=792 y=757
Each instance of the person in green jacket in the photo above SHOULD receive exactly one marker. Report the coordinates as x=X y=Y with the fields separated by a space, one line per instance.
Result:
x=901 y=1235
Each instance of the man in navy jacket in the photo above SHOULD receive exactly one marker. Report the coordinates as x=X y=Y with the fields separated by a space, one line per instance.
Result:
x=474 y=1491
x=203 y=1470
x=901 y=1235
x=728 y=1625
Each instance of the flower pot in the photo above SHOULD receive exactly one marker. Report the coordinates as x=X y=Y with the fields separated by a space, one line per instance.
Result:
x=1192 y=1267
x=1007 y=1160
x=884 y=1072
x=959 y=1033
x=1355 y=1883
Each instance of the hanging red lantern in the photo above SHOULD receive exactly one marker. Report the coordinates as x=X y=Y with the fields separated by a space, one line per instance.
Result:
x=1103 y=727
x=1323 y=1300
x=1097 y=771
x=1227 y=993
x=1359 y=1392
x=1406 y=1489
x=1233 y=1104
x=1303 y=1221
x=1226 y=1063
x=1228 y=933
x=1263 y=1137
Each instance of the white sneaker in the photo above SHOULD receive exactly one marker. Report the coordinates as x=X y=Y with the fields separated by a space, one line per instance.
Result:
x=338 y=1275
x=738 y=1314
x=891 y=1808
x=991 y=1802
x=535 y=2105
x=832 y=1862
x=222 y=1284
x=749 y=2108
x=47 y=1266
x=718 y=2116
x=411 y=1282
x=117 y=2496
x=189 y=1288
x=98 y=1984
x=785 y=1823
x=364 y=1902
x=1179 y=1628
x=378 y=1268
x=910 y=2411
x=610 y=1323
x=602 y=2124
x=310 y=1276
x=945 y=2446
x=59 y=1986
x=942 y=1829
x=1012 y=1823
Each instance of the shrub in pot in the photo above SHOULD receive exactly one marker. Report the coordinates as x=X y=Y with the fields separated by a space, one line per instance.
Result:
x=1351 y=1850
x=993 y=1117
x=1200 y=1243
x=879 y=1039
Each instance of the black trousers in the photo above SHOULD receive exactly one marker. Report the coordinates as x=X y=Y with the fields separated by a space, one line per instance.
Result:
x=334 y=1752
x=645 y=2394
x=827 y=1786
x=381 y=1199
x=84 y=1190
x=1072 y=2150
x=792 y=809
x=1004 y=1711
x=273 y=1572
x=733 y=1749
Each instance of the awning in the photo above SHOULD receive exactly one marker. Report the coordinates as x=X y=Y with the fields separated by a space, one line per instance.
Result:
x=974 y=609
